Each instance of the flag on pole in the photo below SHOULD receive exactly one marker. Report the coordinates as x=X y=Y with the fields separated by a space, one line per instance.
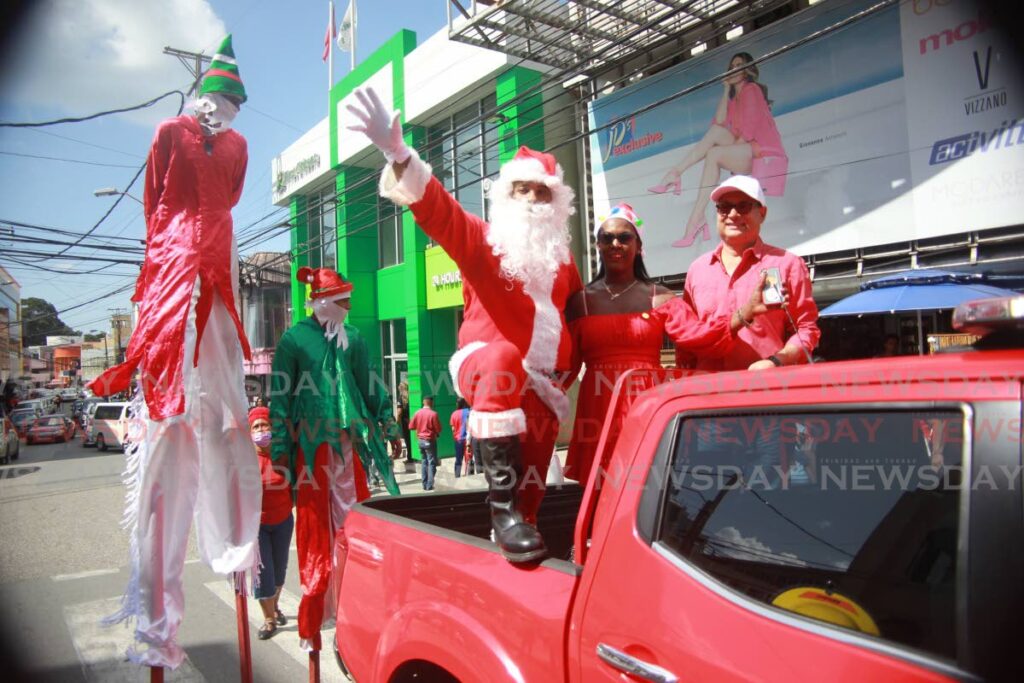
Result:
x=331 y=33
x=347 y=29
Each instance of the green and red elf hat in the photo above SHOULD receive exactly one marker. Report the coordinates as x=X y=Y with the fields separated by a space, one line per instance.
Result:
x=222 y=76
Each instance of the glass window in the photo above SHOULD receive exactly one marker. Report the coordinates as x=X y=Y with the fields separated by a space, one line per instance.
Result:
x=469 y=159
x=389 y=233
x=323 y=229
x=848 y=518
x=392 y=337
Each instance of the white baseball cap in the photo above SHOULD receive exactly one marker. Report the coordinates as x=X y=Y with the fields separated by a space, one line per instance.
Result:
x=748 y=185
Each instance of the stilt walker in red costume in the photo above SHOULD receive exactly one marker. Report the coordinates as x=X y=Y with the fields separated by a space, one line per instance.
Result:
x=190 y=452
x=514 y=347
x=329 y=423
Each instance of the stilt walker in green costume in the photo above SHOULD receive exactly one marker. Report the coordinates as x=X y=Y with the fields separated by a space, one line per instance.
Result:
x=330 y=422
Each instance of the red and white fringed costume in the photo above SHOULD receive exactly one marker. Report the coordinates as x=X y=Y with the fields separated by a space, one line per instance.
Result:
x=514 y=347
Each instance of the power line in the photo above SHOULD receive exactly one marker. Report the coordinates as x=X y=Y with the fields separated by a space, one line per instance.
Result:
x=79 y=119
x=68 y=161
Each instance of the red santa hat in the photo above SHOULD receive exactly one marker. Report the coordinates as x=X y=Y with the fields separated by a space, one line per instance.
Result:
x=324 y=283
x=529 y=165
x=259 y=413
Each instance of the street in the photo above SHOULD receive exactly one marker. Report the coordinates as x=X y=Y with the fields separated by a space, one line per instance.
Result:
x=64 y=566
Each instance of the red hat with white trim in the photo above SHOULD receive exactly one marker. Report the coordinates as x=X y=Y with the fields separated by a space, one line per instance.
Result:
x=529 y=165
x=324 y=283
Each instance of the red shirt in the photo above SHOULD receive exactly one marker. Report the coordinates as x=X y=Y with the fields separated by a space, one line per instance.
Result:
x=711 y=290
x=456 y=422
x=425 y=424
x=277 y=494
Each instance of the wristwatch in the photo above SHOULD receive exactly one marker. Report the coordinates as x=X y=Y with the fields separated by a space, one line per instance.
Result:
x=776 y=360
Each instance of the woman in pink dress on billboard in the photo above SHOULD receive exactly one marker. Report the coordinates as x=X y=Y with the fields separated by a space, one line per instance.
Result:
x=742 y=139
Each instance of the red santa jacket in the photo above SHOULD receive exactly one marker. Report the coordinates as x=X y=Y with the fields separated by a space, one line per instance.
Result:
x=192 y=181
x=496 y=308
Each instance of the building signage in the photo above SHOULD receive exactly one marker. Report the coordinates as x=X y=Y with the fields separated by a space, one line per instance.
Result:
x=444 y=281
x=904 y=125
x=302 y=169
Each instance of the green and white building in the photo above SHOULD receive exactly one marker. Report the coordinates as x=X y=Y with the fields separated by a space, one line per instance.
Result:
x=467 y=110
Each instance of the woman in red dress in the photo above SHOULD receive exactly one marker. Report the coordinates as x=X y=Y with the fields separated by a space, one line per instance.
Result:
x=618 y=323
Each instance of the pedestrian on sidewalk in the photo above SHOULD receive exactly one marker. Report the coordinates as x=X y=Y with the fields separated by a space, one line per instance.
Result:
x=459 y=421
x=427 y=427
x=276 y=525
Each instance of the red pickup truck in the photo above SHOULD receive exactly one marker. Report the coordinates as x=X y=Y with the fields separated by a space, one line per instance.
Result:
x=852 y=521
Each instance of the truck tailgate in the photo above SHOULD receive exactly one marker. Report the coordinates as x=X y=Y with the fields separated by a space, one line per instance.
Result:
x=422 y=582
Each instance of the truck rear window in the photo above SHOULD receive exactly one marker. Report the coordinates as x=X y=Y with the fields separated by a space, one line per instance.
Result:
x=108 y=412
x=850 y=518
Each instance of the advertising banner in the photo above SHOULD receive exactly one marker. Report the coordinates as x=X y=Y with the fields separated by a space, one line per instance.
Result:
x=841 y=131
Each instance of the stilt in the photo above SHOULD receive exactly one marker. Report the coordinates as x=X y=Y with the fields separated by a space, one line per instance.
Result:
x=242 y=611
x=314 y=666
x=156 y=674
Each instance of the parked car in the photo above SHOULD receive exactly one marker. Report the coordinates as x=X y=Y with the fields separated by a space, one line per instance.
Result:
x=110 y=425
x=10 y=443
x=23 y=419
x=51 y=429
x=850 y=520
x=42 y=406
x=85 y=421
x=68 y=394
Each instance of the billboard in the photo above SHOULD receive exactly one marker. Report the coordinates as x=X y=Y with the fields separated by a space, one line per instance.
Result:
x=901 y=125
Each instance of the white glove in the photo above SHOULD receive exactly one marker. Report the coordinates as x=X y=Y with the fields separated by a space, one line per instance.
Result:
x=380 y=125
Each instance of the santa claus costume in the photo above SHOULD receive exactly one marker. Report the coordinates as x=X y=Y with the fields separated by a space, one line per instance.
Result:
x=514 y=347
x=189 y=449
x=324 y=410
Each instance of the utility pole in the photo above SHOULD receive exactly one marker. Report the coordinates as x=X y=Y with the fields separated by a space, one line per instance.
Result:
x=116 y=322
x=195 y=67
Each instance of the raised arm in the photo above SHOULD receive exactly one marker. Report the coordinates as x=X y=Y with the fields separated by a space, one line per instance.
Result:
x=408 y=181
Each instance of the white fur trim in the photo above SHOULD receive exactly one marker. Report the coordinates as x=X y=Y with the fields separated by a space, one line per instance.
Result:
x=530 y=170
x=413 y=185
x=458 y=358
x=552 y=396
x=494 y=425
x=547 y=324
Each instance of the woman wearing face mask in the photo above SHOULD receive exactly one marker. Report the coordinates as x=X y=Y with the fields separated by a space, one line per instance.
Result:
x=742 y=138
x=276 y=525
x=619 y=322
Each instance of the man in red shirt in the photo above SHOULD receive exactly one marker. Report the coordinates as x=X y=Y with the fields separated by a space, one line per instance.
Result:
x=427 y=427
x=719 y=281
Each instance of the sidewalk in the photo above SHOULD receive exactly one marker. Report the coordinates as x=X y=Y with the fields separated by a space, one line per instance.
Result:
x=444 y=478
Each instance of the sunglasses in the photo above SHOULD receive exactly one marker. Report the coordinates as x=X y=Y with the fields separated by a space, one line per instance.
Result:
x=607 y=238
x=742 y=208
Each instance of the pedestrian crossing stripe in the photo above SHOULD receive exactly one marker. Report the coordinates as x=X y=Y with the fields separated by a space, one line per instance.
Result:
x=101 y=648
x=287 y=637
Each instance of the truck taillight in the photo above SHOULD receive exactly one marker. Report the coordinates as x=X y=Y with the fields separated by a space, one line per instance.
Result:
x=986 y=315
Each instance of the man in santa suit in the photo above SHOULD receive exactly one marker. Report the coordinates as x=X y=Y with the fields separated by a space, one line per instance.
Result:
x=190 y=451
x=514 y=348
x=329 y=423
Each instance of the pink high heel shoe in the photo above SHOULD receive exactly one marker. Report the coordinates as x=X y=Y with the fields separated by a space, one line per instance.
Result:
x=691 y=236
x=674 y=185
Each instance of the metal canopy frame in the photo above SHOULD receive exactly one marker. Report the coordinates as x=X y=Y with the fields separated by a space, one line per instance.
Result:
x=587 y=36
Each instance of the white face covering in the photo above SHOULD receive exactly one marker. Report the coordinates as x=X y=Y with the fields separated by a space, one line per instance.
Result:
x=218 y=112
x=332 y=317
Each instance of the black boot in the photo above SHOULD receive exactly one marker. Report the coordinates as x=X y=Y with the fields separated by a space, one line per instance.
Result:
x=519 y=541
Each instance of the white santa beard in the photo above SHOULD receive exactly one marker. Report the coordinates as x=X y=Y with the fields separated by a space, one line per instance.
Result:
x=531 y=240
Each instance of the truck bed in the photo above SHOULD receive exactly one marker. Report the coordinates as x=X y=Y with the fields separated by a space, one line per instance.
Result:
x=465 y=513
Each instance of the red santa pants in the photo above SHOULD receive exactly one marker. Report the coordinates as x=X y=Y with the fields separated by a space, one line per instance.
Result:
x=323 y=498
x=494 y=382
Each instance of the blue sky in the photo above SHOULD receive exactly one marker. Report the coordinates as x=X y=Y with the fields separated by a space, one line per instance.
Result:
x=78 y=57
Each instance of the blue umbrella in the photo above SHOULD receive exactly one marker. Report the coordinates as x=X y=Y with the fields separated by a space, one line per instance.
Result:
x=915 y=290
